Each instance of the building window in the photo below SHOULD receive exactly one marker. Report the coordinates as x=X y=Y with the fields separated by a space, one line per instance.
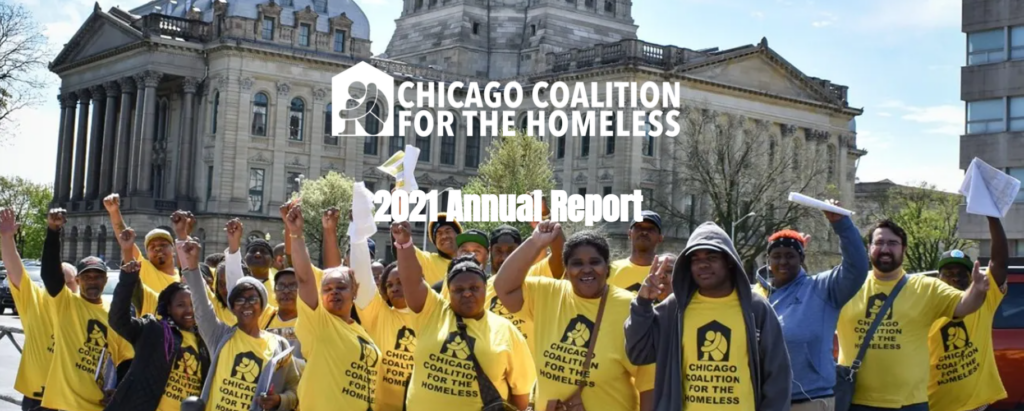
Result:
x=216 y=108
x=268 y=28
x=209 y=182
x=560 y=147
x=158 y=181
x=419 y=5
x=339 y=41
x=448 y=145
x=259 y=114
x=1017 y=42
x=985 y=116
x=296 y=119
x=581 y=191
x=423 y=142
x=609 y=143
x=985 y=46
x=293 y=184
x=831 y=163
x=256 y=190
x=648 y=147
x=533 y=29
x=1017 y=114
x=372 y=126
x=476 y=28
x=329 y=138
x=220 y=24
x=304 y=35
x=607 y=190
x=609 y=6
x=585 y=145
x=523 y=125
x=588 y=3
x=1018 y=173
x=473 y=147
x=396 y=142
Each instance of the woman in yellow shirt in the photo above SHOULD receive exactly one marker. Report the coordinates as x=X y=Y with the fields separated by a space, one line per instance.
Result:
x=392 y=325
x=460 y=340
x=341 y=358
x=567 y=315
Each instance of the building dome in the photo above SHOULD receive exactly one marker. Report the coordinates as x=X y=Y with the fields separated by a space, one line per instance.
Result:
x=247 y=9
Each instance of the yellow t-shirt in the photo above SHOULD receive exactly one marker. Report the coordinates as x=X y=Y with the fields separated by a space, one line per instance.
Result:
x=541 y=269
x=394 y=332
x=963 y=366
x=238 y=369
x=186 y=378
x=81 y=334
x=342 y=362
x=626 y=275
x=153 y=278
x=435 y=267
x=274 y=324
x=271 y=295
x=34 y=308
x=563 y=323
x=444 y=377
x=715 y=363
x=523 y=325
x=895 y=369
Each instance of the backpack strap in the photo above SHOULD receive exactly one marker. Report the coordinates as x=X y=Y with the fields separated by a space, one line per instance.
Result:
x=857 y=362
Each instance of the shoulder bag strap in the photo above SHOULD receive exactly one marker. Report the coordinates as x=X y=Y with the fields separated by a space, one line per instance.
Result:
x=489 y=394
x=874 y=324
x=593 y=342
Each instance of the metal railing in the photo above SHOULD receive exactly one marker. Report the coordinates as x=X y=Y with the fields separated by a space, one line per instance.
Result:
x=176 y=27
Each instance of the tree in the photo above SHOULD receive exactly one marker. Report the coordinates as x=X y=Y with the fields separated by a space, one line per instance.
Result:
x=518 y=164
x=726 y=166
x=30 y=202
x=930 y=218
x=331 y=190
x=23 y=56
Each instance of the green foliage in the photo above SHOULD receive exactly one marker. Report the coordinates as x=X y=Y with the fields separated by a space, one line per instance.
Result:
x=331 y=190
x=30 y=202
x=930 y=218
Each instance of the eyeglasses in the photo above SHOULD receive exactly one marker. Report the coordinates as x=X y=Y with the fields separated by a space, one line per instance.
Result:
x=282 y=288
x=890 y=244
x=251 y=300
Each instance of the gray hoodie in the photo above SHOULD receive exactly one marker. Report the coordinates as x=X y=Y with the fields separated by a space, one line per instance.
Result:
x=654 y=333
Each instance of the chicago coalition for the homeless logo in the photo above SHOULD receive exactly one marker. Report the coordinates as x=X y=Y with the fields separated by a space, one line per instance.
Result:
x=367 y=93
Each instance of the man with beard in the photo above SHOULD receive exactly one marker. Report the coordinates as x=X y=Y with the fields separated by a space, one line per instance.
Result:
x=955 y=344
x=644 y=238
x=894 y=370
x=158 y=270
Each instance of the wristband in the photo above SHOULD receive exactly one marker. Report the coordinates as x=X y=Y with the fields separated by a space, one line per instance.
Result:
x=403 y=246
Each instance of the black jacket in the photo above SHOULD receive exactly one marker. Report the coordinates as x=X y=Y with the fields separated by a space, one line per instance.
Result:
x=144 y=384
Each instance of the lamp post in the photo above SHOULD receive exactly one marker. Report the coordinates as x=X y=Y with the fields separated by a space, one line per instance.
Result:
x=732 y=235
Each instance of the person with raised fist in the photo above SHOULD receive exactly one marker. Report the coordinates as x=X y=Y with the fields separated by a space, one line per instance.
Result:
x=83 y=343
x=158 y=270
x=577 y=325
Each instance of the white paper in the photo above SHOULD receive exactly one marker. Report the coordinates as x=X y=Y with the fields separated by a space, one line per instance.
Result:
x=818 y=204
x=362 y=225
x=989 y=192
x=272 y=375
x=412 y=155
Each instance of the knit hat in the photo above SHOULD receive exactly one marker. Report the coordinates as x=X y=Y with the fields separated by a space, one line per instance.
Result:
x=260 y=243
x=158 y=233
x=442 y=220
x=472 y=236
x=956 y=257
x=255 y=283
x=787 y=238
x=508 y=230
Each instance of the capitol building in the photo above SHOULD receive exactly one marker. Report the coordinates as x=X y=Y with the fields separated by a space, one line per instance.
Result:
x=218 y=106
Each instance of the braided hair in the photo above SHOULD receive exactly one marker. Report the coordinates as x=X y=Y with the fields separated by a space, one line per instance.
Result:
x=163 y=311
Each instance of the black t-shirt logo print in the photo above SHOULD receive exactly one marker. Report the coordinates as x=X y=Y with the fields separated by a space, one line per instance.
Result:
x=498 y=308
x=456 y=348
x=875 y=304
x=247 y=367
x=405 y=340
x=713 y=342
x=367 y=352
x=954 y=336
x=577 y=333
x=95 y=334
x=188 y=362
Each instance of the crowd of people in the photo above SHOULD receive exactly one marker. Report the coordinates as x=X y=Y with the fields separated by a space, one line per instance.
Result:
x=494 y=321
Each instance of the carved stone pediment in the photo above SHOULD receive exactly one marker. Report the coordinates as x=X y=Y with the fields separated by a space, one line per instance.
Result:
x=580 y=178
x=451 y=182
x=328 y=166
x=271 y=9
x=341 y=22
x=261 y=157
x=98 y=34
x=606 y=176
x=306 y=15
x=424 y=179
x=295 y=163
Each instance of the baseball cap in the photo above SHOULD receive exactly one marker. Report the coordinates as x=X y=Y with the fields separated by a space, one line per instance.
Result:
x=91 y=263
x=158 y=233
x=373 y=247
x=472 y=236
x=956 y=257
x=508 y=230
x=651 y=217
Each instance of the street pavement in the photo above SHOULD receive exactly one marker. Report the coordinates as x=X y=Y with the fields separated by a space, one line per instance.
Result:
x=10 y=357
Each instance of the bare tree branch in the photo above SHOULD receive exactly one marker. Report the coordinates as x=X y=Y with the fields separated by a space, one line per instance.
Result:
x=23 y=57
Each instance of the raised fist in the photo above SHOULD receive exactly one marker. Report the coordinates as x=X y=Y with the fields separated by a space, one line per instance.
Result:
x=330 y=218
x=234 y=230
x=402 y=231
x=188 y=254
x=294 y=220
x=56 y=218
x=286 y=207
x=112 y=203
x=183 y=222
x=126 y=238
x=547 y=231
x=131 y=267
x=8 y=224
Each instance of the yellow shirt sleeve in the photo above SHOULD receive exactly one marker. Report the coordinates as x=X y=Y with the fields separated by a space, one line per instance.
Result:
x=644 y=378
x=535 y=289
x=522 y=374
x=541 y=269
x=944 y=298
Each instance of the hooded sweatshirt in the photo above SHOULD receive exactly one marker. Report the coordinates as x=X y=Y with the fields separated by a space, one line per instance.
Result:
x=654 y=333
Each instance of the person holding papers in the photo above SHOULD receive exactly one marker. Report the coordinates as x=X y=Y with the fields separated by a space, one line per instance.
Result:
x=244 y=357
x=342 y=360
x=963 y=365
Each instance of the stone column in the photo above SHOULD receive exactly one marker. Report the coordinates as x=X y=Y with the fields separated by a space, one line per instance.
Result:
x=136 y=139
x=150 y=80
x=109 y=144
x=60 y=147
x=186 y=154
x=123 y=136
x=95 y=142
x=78 y=185
x=67 y=145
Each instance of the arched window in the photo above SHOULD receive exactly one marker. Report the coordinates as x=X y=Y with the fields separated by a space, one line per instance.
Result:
x=73 y=249
x=216 y=107
x=296 y=119
x=396 y=142
x=448 y=144
x=329 y=138
x=259 y=114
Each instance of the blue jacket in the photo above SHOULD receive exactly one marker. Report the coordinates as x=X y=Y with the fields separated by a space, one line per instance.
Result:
x=808 y=308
